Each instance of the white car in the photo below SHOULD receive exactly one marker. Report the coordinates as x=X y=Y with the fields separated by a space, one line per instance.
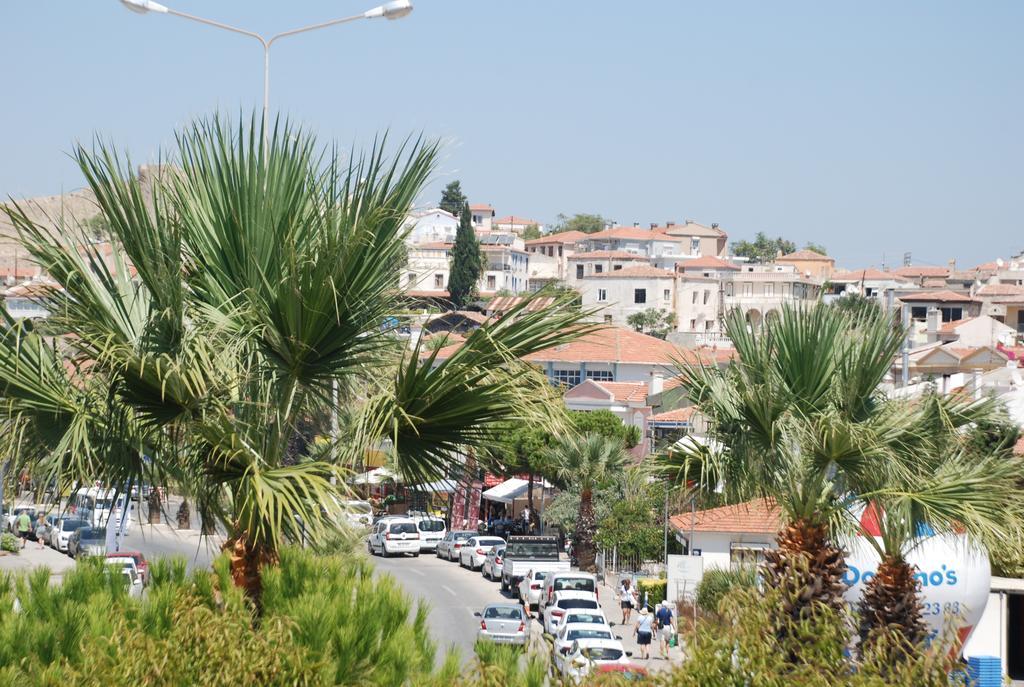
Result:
x=570 y=632
x=394 y=536
x=62 y=531
x=451 y=543
x=589 y=617
x=432 y=531
x=491 y=567
x=564 y=602
x=566 y=582
x=530 y=587
x=130 y=573
x=473 y=551
x=357 y=513
x=504 y=624
x=585 y=654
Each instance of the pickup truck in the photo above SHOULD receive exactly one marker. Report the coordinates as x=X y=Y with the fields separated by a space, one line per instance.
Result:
x=526 y=553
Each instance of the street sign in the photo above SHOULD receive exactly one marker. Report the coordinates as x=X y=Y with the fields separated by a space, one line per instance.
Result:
x=684 y=573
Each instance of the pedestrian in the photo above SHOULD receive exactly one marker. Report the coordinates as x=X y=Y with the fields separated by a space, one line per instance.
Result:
x=666 y=628
x=24 y=527
x=644 y=630
x=626 y=600
x=41 y=529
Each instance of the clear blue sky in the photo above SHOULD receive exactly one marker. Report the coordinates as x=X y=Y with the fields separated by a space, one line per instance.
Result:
x=870 y=127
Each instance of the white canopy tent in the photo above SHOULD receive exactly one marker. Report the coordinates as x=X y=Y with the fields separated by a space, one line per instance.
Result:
x=511 y=489
x=442 y=486
x=375 y=476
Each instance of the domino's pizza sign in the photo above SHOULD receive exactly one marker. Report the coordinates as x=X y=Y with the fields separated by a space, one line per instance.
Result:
x=955 y=577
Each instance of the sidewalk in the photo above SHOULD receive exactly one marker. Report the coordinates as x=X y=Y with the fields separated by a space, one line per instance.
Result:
x=32 y=557
x=613 y=612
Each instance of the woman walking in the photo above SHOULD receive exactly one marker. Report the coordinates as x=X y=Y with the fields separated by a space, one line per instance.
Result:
x=627 y=598
x=644 y=632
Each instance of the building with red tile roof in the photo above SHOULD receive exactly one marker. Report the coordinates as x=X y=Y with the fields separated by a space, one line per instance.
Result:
x=639 y=271
x=942 y=296
x=706 y=263
x=562 y=237
x=758 y=516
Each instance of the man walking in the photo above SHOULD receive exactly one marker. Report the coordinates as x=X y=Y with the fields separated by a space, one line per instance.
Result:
x=24 y=527
x=666 y=628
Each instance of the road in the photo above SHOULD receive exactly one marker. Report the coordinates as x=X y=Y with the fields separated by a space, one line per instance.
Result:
x=453 y=593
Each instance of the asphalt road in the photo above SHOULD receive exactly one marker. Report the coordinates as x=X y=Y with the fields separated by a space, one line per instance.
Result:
x=454 y=594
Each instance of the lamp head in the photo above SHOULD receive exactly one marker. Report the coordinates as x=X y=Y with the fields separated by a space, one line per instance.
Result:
x=143 y=6
x=396 y=9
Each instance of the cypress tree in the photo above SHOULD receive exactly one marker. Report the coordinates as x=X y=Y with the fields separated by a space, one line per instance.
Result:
x=466 y=261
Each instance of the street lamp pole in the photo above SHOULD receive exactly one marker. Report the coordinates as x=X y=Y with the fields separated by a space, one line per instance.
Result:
x=390 y=10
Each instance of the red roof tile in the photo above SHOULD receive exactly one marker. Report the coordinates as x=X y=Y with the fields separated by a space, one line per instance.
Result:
x=615 y=344
x=504 y=303
x=481 y=206
x=950 y=327
x=560 y=237
x=943 y=296
x=921 y=271
x=626 y=392
x=869 y=274
x=806 y=255
x=1000 y=290
x=635 y=233
x=708 y=262
x=512 y=219
x=677 y=415
x=754 y=517
x=427 y=294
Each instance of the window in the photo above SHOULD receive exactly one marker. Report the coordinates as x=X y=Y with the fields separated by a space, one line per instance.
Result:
x=568 y=378
x=742 y=555
x=769 y=289
x=551 y=251
x=559 y=251
x=695 y=246
x=607 y=319
x=728 y=289
x=695 y=298
x=918 y=312
x=598 y=269
x=491 y=282
x=707 y=325
x=639 y=295
x=707 y=296
x=666 y=295
x=438 y=281
x=601 y=375
x=602 y=295
x=410 y=279
x=693 y=325
x=748 y=288
x=952 y=314
x=616 y=268
x=579 y=271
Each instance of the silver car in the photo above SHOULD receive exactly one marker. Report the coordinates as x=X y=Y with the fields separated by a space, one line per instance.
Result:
x=504 y=624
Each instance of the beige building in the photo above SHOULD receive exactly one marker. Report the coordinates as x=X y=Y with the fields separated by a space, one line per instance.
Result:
x=556 y=248
x=625 y=292
x=759 y=291
x=810 y=264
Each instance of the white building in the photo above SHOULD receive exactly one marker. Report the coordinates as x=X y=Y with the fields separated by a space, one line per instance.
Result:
x=628 y=291
x=515 y=225
x=507 y=265
x=760 y=290
x=549 y=255
x=431 y=226
x=730 y=537
x=426 y=273
x=482 y=216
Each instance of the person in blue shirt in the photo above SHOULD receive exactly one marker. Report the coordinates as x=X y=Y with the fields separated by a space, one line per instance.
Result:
x=665 y=628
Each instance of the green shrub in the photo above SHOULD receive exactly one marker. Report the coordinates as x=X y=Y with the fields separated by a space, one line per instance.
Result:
x=717 y=582
x=656 y=590
x=8 y=542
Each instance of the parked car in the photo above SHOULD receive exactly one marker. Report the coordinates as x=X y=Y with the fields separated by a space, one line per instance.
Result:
x=129 y=574
x=573 y=581
x=451 y=543
x=491 y=567
x=87 y=541
x=592 y=655
x=432 y=531
x=62 y=531
x=141 y=564
x=473 y=552
x=357 y=513
x=526 y=553
x=569 y=633
x=563 y=602
x=504 y=623
x=43 y=531
x=394 y=536
x=582 y=615
x=530 y=587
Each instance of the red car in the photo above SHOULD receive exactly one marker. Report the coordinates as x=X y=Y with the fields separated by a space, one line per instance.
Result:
x=140 y=562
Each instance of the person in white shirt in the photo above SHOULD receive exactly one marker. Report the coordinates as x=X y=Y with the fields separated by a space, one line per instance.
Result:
x=627 y=600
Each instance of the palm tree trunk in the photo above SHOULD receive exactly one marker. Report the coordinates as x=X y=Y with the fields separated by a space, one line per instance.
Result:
x=586 y=523
x=808 y=569
x=247 y=562
x=891 y=603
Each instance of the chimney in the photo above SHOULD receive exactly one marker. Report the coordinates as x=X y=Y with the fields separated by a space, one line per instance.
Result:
x=976 y=383
x=952 y=265
x=670 y=224
x=714 y=225
x=656 y=385
x=933 y=319
x=636 y=224
x=654 y=225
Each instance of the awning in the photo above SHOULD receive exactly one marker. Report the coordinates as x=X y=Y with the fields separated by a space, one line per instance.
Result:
x=511 y=489
x=441 y=486
x=375 y=476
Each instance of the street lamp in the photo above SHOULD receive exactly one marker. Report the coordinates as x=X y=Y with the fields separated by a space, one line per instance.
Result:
x=396 y=9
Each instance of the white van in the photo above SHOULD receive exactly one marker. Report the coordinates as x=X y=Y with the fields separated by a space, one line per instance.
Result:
x=357 y=513
x=394 y=536
x=566 y=582
x=95 y=505
x=432 y=531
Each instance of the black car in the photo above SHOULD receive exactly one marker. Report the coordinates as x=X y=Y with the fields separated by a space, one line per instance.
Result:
x=87 y=541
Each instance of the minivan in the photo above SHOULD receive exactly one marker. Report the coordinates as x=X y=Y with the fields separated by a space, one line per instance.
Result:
x=394 y=536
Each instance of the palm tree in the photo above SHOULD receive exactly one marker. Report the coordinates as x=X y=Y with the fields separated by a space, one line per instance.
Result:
x=586 y=462
x=941 y=489
x=239 y=292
